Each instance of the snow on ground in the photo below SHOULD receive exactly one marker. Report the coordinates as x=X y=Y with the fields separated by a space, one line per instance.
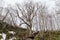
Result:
x=4 y=35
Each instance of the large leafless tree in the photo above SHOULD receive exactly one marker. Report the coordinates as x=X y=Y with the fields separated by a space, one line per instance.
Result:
x=29 y=12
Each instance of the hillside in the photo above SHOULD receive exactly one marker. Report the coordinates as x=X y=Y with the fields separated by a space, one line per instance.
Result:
x=20 y=33
x=5 y=28
x=49 y=35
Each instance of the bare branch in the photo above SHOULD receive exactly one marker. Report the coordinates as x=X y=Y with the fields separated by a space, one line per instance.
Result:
x=22 y=19
x=5 y=15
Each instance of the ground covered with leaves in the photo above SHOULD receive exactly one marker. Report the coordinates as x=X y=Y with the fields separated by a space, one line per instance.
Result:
x=49 y=35
x=20 y=33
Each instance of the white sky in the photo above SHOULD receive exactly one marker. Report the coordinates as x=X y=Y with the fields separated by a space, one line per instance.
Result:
x=49 y=3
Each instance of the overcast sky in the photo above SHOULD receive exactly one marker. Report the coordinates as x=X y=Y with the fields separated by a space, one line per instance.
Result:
x=50 y=3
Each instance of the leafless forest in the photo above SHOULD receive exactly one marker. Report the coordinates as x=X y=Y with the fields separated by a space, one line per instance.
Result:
x=31 y=16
